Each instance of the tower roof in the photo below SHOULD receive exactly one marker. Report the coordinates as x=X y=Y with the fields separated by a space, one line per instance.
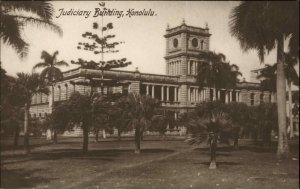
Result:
x=183 y=28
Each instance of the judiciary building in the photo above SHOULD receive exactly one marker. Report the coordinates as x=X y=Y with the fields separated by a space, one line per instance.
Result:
x=177 y=89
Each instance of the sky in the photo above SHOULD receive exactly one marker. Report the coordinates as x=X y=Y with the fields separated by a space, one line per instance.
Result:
x=144 y=44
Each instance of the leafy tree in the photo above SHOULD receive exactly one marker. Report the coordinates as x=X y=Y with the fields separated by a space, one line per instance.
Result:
x=118 y=117
x=264 y=26
x=267 y=119
x=238 y=114
x=209 y=122
x=80 y=111
x=28 y=86
x=159 y=123
x=59 y=120
x=13 y=20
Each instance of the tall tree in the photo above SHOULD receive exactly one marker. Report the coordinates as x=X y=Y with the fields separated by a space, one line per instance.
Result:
x=264 y=26
x=140 y=111
x=99 y=44
x=13 y=20
x=51 y=73
x=29 y=85
x=292 y=78
x=217 y=73
x=209 y=122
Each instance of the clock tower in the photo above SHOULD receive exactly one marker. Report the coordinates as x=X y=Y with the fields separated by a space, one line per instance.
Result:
x=184 y=47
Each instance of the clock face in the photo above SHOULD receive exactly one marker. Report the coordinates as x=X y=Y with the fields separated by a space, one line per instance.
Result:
x=195 y=42
x=175 y=43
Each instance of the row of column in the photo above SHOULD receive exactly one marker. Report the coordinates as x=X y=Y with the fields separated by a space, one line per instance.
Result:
x=196 y=95
x=174 y=67
x=192 y=67
x=163 y=95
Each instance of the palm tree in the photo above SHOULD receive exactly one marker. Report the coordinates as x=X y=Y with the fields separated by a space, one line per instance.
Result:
x=268 y=79
x=268 y=74
x=291 y=77
x=140 y=111
x=210 y=123
x=12 y=21
x=29 y=85
x=51 y=73
x=264 y=26
x=217 y=73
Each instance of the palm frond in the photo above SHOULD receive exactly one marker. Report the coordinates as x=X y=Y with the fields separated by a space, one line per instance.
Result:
x=40 y=65
x=43 y=9
x=61 y=63
x=10 y=33
x=40 y=22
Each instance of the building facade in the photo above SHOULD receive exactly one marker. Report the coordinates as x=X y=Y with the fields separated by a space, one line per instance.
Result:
x=177 y=89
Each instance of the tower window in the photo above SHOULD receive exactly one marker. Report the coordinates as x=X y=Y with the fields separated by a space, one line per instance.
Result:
x=195 y=42
x=175 y=43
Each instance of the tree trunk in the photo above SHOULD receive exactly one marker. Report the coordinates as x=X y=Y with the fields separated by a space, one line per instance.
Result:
x=290 y=110
x=283 y=148
x=16 y=137
x=85 y=138
x=97 y=136
x=26 y=134
x=51 y=104
x=55 y=137
x=137 y=140
x=213 y=148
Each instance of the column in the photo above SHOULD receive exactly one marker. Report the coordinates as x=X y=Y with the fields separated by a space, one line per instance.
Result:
x=152 y=91
x=194 y=67
x=175 y=94
x=197 y=95
x=236 y=96
x=167 y=93
x=188 y=68
x=188 y=91
x=214 y=94
x=226 y=97
x=147 y=89
x=162 y=93
x=218 y=97
x=230 y=96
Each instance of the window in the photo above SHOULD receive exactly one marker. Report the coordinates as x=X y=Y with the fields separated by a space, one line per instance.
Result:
x=261 y=98
x=201 y=45
x=252 y=99
x=195 y=42
x=59 y=92
x=66 y=91
x=175 y=43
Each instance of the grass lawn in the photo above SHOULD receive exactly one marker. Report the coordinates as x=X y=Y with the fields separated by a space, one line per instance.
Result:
x=161 y=165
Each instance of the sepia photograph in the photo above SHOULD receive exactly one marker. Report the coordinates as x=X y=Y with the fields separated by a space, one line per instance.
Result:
x=149 y=94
